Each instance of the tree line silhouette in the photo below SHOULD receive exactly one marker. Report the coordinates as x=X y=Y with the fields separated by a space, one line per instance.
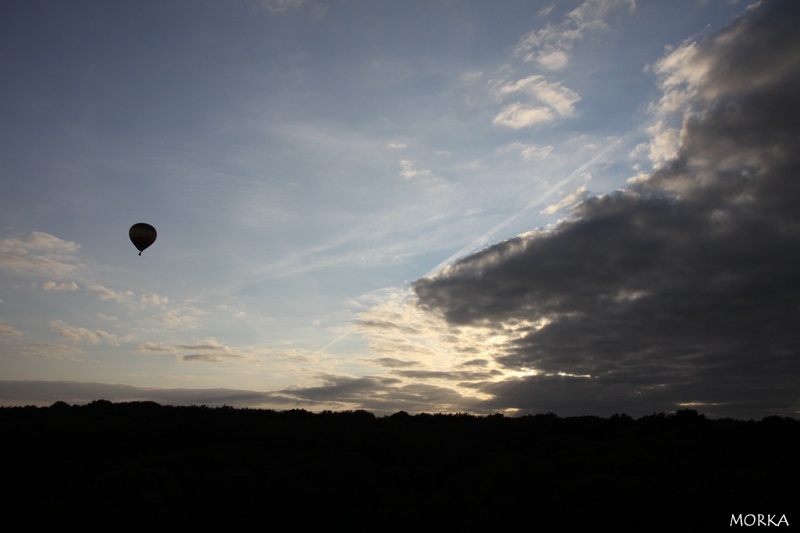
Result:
x=126 y=466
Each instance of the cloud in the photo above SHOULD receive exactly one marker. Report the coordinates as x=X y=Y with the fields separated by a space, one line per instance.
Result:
x=410 y=171
x=52 y=286
x=517 y=116
x=549 y=100
x=449 y=374
x=528 y=151
x=418 y=346
x=210 y=357
x=421 y=177
x=40 y=242
x=568 y=201
x=471 y=76
x=208 y=351
x=175 y=319
x=10 y=331
x=155 y=347
x=39 y=254
x=295 y=356
x=87 y=336
x=42 y=350
x=680 y=290
x=391 y=362
x=45 y=393
x=549 y=49
x=278 y=6
x=205 y=351
x=550 y=46
x=380 y=395
x=154 y=299
x=104 y=293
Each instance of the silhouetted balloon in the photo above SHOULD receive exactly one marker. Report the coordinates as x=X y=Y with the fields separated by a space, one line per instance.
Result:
x=142 y=235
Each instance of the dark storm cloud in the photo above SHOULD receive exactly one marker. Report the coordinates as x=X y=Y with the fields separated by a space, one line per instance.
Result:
x=209 y=357
x=683 y=289
x=381 y=395
x=476 y=362
x=209 y=351
x=391 y=362
x=387 y=325
x=448 y=375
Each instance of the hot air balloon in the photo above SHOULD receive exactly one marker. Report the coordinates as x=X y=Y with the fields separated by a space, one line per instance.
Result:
x=142 y=235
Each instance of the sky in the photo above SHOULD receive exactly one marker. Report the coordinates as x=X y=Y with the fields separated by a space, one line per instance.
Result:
x=579 y=207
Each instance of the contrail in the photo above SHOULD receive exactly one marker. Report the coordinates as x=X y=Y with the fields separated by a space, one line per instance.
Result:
x=484 y=238
x=334 y=341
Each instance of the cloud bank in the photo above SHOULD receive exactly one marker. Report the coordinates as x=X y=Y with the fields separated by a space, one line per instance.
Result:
x=681 y=290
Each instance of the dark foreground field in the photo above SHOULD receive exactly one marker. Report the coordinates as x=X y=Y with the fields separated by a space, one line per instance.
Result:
x=140 y=466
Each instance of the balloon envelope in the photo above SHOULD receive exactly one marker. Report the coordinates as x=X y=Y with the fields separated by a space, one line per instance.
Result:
x=142 y=235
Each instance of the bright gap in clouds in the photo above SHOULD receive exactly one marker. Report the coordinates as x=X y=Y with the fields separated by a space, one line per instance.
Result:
x=396 y=326
x=305 y=166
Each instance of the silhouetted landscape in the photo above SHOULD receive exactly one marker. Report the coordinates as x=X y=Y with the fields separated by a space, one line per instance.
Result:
x=126 y=466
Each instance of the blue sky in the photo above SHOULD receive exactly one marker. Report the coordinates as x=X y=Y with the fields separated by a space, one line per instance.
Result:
x=304 y=164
